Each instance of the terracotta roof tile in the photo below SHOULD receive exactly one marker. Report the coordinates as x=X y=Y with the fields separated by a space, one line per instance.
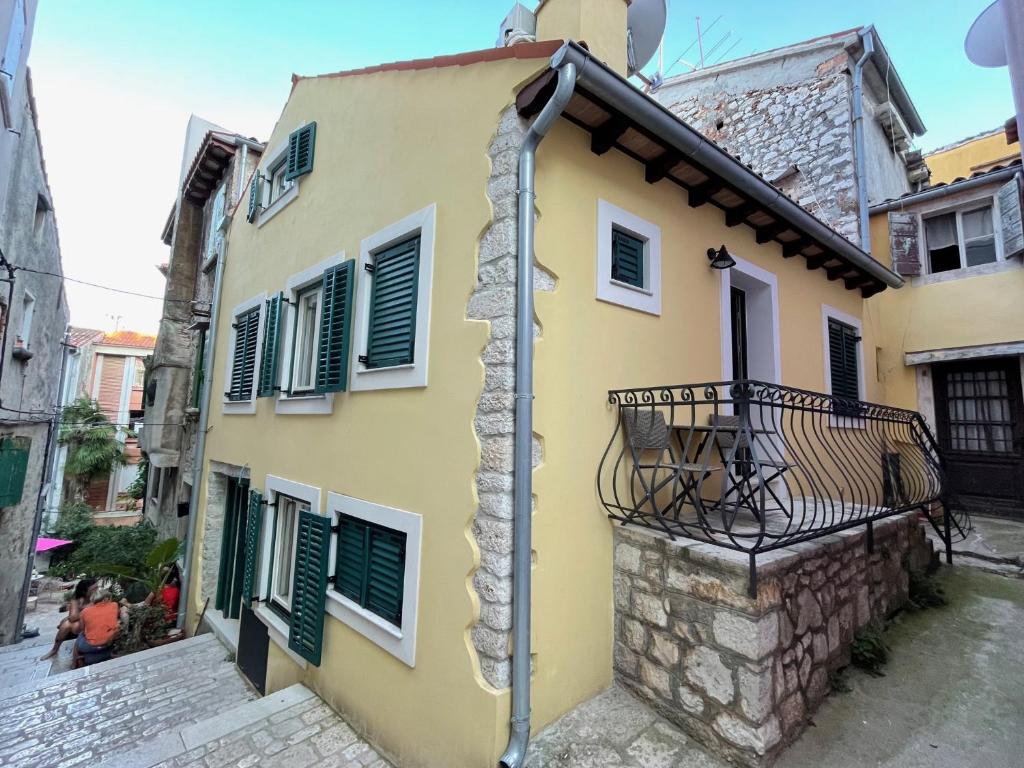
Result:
x=79 y=337
x=129 y=339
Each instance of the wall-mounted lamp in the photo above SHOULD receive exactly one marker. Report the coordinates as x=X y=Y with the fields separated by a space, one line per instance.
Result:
x=721 y=259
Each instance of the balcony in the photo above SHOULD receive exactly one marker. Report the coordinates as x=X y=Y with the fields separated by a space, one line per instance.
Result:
x=755 y=467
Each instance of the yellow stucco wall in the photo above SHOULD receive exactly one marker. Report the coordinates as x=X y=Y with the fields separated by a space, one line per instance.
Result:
x=389 y=144
x=965 y=312
x=601 y=24
x=963 y=160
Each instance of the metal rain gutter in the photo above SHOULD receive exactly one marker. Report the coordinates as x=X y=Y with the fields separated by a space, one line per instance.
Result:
x=1003 y=174
x=522 y=525
x=868 y=40
x=617 y=93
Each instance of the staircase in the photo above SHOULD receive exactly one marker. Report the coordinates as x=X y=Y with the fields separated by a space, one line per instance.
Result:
x=183 y=704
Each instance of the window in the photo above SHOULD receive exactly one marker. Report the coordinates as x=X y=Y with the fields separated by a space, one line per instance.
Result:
x=199 y=369
x=960 y=239
x=241 y=377
x=214 y=236
x=282 y=552
x=370 y=567
x=233 y=546
x=979 y=414
x=139 y=374
x=28 y=309
x=304 y=352
x=844 y=367
x=376 y=573
x=393 y=320
x=391 y=333
x=277 y=185
x=43 y=207
x=628 y=259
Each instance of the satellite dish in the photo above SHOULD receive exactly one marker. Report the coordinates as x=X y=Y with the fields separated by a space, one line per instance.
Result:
x=645 y=26
x=985 y=44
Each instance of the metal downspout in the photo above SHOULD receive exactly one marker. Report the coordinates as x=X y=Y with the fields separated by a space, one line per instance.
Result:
x=867 y=36
x=522 y=536
x=204 y=419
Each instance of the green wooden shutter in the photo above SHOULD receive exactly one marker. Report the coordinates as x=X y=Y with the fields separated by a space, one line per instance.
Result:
x=842 y=350
x=300 y=151
x=243 y=357
x=309 y=589
x=627 y=259
x=335 y=328
x=14 y=452
x=199 y=371
x=350 y=566
x=252 y=546
x=391 y=338
x=386 y=574
x=271 y=346
x=255 y=196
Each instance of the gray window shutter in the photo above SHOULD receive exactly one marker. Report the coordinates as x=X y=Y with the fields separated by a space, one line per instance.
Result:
x=904 y=243
x=1009 y=217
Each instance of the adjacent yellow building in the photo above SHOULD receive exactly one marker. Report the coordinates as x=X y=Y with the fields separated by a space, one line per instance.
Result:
x=355 y=529
x=978 y=154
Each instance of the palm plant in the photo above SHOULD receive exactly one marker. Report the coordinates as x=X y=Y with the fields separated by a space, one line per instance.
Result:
x=93 y=445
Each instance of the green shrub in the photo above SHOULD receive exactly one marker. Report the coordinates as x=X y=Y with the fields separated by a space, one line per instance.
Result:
x=925 y=592
x=869 y=651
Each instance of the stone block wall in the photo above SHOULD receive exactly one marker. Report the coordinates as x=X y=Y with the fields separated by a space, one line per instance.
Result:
x=743 y=675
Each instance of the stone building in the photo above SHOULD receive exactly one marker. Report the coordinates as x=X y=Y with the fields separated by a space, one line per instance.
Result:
x=790 y=112
x=34 y=315
x=214 y=169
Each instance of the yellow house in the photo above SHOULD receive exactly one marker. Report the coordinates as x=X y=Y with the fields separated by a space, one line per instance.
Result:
x=952 y=339
x=366 y=486
x=977 y=154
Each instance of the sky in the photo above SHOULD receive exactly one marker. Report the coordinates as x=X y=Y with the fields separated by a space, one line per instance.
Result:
x=116 y=80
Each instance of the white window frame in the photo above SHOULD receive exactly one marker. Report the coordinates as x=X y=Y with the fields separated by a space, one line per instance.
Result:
x=648 y=298
x=414 y=374
x=273 y=576
x=989 y=200
x=400 y=642
x=306 y=403
x=269 y=205
x=314 y=295
x=28 y=311
x=236 y=407
x=277 y=627
x=827 y=313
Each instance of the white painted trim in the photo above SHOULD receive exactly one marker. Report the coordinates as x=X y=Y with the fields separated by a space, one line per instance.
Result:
x=305 y=403
x=831 y=312
x=268 y=160
x=992 y=268
x=230 y=407
x=769 y=280
x=926 y=395
x=646 y=299
x=1008 y=349
x=959 y=206
x=400 y=643
x=118 y=351
x=424 y=223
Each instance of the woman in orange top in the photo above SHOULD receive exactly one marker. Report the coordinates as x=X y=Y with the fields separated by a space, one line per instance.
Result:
x=99 y=628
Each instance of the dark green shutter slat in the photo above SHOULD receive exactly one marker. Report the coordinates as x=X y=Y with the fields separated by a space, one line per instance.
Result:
x=243 y=359
x=391 y=338
x=254 y=196
x=309 y=588
x=350 y=566
x=252 y=546
x=386 y=574
x=627 y=259
x=271 y=344
x=301 y=144
x=842 y=347
x=335 y=328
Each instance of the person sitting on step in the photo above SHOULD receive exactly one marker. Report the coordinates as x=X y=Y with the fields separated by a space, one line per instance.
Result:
x=71 y=625
x=100 y=626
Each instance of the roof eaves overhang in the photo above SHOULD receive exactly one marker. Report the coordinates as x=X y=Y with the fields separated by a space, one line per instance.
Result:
x=995 y=176
x=620 y=116
x=208 y=168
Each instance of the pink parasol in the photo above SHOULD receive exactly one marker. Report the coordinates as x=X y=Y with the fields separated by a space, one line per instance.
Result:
x=44 y=544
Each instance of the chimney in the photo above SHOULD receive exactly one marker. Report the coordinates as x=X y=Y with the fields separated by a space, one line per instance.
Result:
x=601 y=24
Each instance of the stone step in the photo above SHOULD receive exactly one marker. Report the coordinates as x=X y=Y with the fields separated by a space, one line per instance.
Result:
x=95 y=713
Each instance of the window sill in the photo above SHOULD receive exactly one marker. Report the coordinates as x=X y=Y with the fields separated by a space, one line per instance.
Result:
x=311 y=404
x=278 y=205
x=369 y=625
x=278 y=631
x=628 y=287
x=239 y=407
x=209 y=263
x=993 y=268
x=403 y=376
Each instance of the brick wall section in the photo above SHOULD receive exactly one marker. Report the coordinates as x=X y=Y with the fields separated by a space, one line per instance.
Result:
x=806 y=124
x=494 y=300
x=742 y=676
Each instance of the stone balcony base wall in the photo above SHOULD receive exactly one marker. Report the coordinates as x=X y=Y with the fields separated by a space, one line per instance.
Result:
x=741 y=675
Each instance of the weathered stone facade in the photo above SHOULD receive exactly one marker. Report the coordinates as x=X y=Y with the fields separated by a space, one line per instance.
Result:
x=797 y=135
x=213 y=524
x=494 y=300
x=743 y=675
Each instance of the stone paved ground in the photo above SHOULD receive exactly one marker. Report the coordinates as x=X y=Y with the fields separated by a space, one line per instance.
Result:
x=81 y=717
x=994 y=544
x=306 y=735
x=952 y=697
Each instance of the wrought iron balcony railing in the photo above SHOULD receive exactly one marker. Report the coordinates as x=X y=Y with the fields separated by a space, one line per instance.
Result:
x=754 y=466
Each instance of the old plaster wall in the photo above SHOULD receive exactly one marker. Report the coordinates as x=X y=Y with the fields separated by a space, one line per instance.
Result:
x=743 y=675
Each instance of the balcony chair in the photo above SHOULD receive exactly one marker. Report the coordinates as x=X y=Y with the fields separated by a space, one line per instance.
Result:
x=745 y=458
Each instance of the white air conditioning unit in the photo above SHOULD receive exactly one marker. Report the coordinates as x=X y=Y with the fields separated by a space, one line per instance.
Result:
x=519 y=26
